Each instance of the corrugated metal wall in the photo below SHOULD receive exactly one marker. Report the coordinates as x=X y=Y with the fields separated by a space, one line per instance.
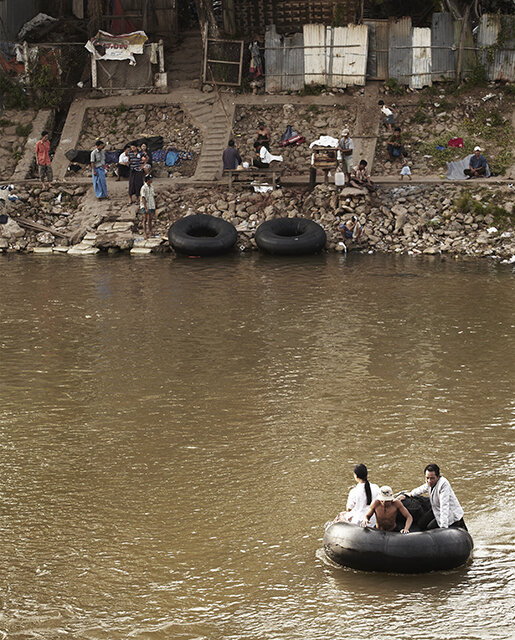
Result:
x=335 y=56
x=284 y=61
x=420 y=58
x=499 y=62
x=442 y=41
x=399 y=58
x=13 y=15
x=314 y=53
x=393 y=49
x=378 y=39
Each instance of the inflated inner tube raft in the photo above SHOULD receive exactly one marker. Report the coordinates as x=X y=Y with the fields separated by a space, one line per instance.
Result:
x=202 y=235
x=370 y=549
x=290 y=236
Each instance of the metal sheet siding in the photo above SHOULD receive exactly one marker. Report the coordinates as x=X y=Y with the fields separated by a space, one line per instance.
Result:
x=314 y=53
x=500 y=63
x=442 y=40
x=354 y=60
x=421 y=59
x=399 y=54
x=13 y=15
x=284 y=62
x=273 y=61
x=293 y=79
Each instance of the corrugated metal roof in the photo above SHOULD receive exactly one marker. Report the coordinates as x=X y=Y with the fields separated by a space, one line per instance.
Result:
x=399 y=60
x=499 y=62
x=421 y=58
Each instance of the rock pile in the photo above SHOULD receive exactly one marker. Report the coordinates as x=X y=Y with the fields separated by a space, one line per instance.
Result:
x=436 y=119
x=310 y=121
x=410 y=219
x=15 y=126
x=119 y=125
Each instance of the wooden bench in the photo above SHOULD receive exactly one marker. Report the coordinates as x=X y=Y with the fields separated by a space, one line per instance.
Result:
x=254 y=174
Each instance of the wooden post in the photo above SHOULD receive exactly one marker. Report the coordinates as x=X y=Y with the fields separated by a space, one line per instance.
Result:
x=161 y=57
x=94 y=80
x=464 y=24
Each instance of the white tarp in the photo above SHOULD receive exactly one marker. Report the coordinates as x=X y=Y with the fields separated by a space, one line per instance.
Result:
x=106 y=46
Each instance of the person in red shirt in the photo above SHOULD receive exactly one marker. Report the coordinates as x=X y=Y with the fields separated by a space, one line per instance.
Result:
x=43 y=160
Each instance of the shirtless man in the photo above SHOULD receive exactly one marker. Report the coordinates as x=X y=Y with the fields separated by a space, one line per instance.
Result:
x=385 y=507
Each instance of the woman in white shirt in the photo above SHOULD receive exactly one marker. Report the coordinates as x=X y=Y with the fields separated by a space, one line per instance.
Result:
x=360 y=498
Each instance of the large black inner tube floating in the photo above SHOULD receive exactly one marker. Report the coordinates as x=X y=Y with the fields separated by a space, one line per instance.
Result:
x=369 y=549
x=290 y=236
x=202 y=235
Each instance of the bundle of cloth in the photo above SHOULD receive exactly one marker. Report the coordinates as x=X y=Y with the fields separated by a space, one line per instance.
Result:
x=291 y=138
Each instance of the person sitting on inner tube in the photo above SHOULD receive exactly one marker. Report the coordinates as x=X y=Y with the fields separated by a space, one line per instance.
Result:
x=385 y=508
x=445 y=509
x=360 y=497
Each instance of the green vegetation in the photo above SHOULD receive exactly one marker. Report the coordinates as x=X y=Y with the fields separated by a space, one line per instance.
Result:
x=312 y=90
x=5 y=123
x=121 y=108
x=23 y=130
x=394 y=87
x=46 y=87
x=13 y=94
x=477 y=77
x=313 y=108
x=466 y=203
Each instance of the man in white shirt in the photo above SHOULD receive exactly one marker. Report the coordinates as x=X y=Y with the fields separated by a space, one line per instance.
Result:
x=445 y=509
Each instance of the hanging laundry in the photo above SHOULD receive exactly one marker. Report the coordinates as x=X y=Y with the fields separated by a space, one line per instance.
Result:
x=256 y=66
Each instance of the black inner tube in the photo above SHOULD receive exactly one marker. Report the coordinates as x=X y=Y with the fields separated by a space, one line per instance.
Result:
x=203 y=232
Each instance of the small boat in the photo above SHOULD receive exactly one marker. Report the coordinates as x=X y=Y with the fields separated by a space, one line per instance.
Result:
x=367 y=549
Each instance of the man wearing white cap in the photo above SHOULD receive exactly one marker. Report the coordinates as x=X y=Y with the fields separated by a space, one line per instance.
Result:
x=386 y=507
x=477 y=166
x=346 y=147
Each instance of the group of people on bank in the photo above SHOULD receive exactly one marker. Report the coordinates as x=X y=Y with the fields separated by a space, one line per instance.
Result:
x=371 y=505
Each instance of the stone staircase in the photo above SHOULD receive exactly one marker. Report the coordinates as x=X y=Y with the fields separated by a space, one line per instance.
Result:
x=209 y=114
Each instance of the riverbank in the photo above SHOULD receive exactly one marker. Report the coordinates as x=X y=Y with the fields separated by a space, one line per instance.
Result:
x=443 y=219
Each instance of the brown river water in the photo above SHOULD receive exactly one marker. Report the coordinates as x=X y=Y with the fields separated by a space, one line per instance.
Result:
x=175 y=433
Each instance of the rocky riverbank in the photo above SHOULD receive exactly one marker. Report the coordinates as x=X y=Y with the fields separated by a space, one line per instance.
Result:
x=414 y=219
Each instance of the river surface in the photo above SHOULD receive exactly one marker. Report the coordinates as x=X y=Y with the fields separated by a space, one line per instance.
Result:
x=175 y=433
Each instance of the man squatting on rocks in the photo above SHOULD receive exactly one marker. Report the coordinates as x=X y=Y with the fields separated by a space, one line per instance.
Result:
x=43 y=160
x=147 y=203
x=98 y=161
x=231 y=157
x=385 y=508
x=477 y=165
x=445 y=509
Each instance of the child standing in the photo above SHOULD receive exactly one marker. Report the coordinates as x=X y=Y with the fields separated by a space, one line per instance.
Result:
x=389 y=118
x=405 y=171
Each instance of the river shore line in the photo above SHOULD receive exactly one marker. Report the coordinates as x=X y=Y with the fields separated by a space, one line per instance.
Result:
x=442 y=219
